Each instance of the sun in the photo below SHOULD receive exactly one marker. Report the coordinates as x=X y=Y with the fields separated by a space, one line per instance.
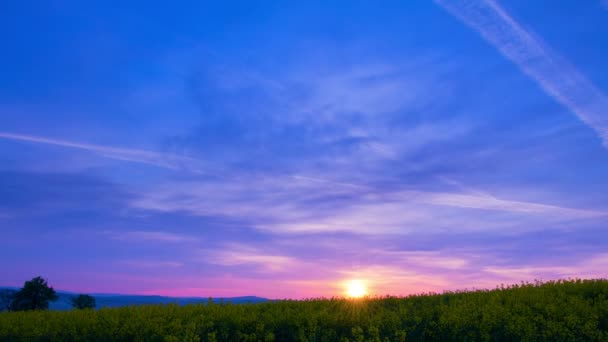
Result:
x=356 y=288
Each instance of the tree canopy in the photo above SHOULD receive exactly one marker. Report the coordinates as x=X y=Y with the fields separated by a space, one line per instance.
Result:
x=35 y=295
x=83 y=301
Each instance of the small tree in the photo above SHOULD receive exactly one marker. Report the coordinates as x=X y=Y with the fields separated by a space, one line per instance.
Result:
x=35 y=295
x=6 y=298
x=83 y=301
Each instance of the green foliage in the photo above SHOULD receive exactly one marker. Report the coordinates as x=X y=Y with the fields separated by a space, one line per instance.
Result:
x=83 y=301
x=35 y=295
x=574 y=310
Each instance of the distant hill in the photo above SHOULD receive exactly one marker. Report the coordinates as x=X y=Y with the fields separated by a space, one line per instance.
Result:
x=119 y=300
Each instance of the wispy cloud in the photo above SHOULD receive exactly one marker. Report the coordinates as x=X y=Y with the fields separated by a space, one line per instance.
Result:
x=159 y=236
x=321 y=113
x=424 y=259
x=558 y=78
x=369 y=89
x=488 y=202
x=159 y=159
x=151 y=264
x=304 y=205
x=238 y=254
x=592 y=267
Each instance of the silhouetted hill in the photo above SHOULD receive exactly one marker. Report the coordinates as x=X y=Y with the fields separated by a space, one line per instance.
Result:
x=119 y=300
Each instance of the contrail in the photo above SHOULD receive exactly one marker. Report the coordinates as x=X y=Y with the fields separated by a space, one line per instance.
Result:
x=158 y=159
x=164 y=160
x=558 y=78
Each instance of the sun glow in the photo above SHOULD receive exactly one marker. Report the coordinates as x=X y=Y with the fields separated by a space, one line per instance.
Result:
x=356 y=288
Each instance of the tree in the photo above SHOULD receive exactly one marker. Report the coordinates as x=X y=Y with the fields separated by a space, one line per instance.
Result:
x=35 y=295
x=83 y=301
x=6 y=298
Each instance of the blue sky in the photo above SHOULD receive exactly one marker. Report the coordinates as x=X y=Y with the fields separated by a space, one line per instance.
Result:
x=282 y=149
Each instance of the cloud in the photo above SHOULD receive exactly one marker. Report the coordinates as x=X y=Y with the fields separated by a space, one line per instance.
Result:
x=488 y=202
x=423 y=259
x=593 y=266
x=396 y=272
x=303 y=205
x=397 y=278
x=553 y=73
x=304 y=114
x=164 y=160
x=239 y=254
x=151 y=264
x=158 y=236
x=367 y=89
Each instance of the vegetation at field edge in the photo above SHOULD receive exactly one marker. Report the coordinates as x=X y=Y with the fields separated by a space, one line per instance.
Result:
x=567 y=310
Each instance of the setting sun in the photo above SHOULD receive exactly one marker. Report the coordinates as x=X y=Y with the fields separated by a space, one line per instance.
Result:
x=356 y=288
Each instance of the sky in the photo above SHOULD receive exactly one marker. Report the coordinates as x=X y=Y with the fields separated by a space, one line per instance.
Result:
x=282 y=149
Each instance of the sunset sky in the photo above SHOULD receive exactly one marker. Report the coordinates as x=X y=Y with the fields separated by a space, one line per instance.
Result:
x=284 y=148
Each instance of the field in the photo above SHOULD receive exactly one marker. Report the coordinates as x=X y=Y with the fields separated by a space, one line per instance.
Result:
x=558 y=311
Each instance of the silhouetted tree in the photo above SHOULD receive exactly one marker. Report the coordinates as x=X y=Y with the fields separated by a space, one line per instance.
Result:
x=35 y=295
x=83 y=301
x=6 y=298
